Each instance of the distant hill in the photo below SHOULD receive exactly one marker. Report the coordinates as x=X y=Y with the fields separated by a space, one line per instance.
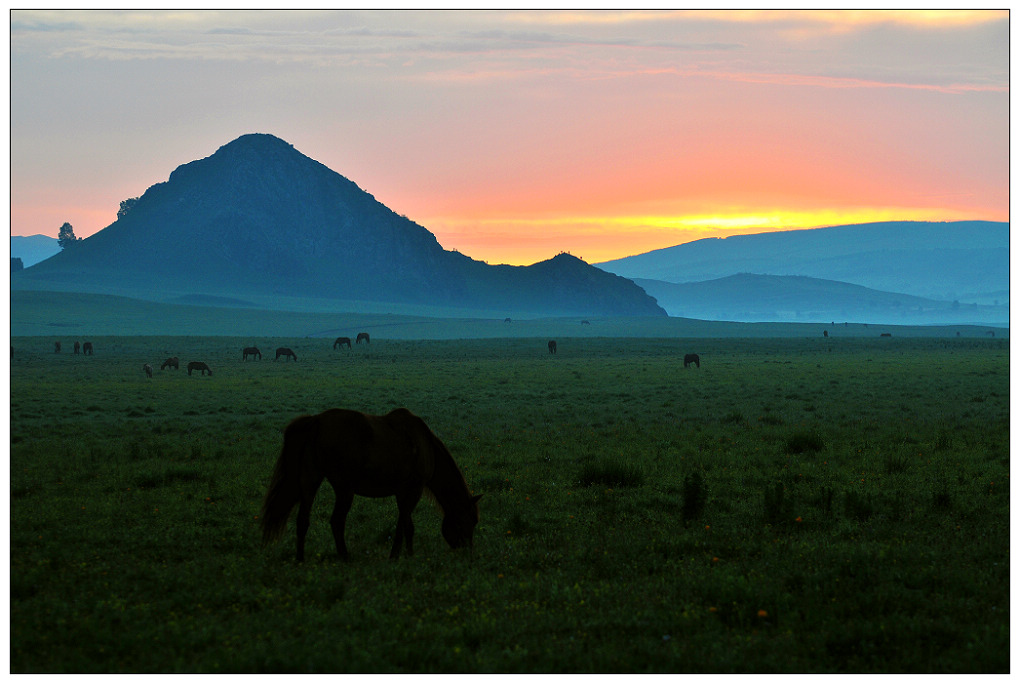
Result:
x=258 y=218
x=966 y=261
x=33 y=249
x=787 y=298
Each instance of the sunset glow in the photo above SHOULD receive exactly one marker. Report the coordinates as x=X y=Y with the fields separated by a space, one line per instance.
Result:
x=513 y=136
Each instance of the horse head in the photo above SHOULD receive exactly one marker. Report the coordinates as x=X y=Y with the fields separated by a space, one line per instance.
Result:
x=459 y=523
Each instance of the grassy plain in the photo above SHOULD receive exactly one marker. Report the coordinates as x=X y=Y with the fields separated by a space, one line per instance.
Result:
x=794 y=505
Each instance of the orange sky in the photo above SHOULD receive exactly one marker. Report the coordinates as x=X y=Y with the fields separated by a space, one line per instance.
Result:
x=513 y=136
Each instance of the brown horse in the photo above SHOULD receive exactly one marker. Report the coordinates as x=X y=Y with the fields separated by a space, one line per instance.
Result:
x=285 y=352
x=77 y=347
x=56 y=347
x=148 y=369
x=87 y=350
x=342 y=342
x=196 y=365
x=552 y=346
x=251 y=351
x=692 y=358
x=172 y=362
x=366 y=455
x=363 y=336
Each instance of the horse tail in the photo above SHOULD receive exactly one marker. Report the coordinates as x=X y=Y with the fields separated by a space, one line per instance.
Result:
x=285 y=486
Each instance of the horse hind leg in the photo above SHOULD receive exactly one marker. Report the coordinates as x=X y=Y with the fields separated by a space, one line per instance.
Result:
x=405 y=530
x=304 y=518
x=338 y=521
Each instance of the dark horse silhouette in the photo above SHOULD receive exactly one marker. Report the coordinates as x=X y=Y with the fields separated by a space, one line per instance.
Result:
x=284 y=351
x=77 y=347
x=552 y=346
x=196 y=365
x=252 y=351
x=87 y=349
x=56 y=347
x=341 y=342
x=692 y=358
x=376 y=456
x=148 y=369
x=363 y=336
x=172 y=362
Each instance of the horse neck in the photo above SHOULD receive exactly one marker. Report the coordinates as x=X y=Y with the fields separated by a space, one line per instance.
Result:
x=447 y=484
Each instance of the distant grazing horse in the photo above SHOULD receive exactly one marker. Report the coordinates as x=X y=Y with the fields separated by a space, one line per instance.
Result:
x=825 y=333
x=886 y=334
x=196 y=365
x=363 y=337
x=552 y=346
x=148 y=369
x=172 y=362
x=284 y=351
x=692 y=358
x=87 y=349
x=77 y=347
x=56 y=347
x=251 y=351
x=585 y=322
x=366 y=455
x=341 y=342
x=507 y=320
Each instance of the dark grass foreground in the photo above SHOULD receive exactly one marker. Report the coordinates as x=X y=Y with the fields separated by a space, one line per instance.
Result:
x=791 y=506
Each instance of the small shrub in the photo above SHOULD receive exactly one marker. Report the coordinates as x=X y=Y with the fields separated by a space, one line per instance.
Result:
x=804 y=441
x=694 y=495
x=732 y=417
x=895 y=463
x=776 y=507
x=941 y=496
x=610 y=473
x=857 y=505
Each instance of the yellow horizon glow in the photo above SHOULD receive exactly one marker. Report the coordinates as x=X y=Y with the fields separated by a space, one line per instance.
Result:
x=528 y=240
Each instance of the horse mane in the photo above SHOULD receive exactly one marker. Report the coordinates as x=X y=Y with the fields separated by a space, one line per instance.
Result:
x=444 y=467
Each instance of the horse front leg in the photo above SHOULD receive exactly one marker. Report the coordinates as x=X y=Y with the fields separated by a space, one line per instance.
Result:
x=405 y=523
x=338 y=521
x=304 y=517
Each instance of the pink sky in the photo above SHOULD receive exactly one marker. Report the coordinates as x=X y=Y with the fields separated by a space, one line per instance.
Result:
x=513 y=136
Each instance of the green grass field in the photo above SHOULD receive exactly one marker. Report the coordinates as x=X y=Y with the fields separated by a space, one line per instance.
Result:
x=797 y=504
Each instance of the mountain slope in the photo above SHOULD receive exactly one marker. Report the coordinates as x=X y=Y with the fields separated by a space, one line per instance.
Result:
x=769 y=298
x=33 y=249
x=964 y=260
x=260 y=217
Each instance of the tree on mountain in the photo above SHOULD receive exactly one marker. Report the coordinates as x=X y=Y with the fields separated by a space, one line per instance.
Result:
x=66 y=236
x=126 y=206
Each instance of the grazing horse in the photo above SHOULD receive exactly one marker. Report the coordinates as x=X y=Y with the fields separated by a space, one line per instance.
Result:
x=148 y=369
x=172 y=362
x=284 y=351
x=196 y=365
x=87 y=349
x=885 y=334
x=585 y=322
x=341 y=342
x=552 y=346
x=825 y=333
x=507 y=320
x=56 y=347
x=376 y=456
x=363 y=336
x=251 y=351
x=692 y=358
x=77 y=347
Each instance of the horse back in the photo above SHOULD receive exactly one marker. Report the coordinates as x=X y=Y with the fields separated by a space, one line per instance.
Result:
x=375 y=455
